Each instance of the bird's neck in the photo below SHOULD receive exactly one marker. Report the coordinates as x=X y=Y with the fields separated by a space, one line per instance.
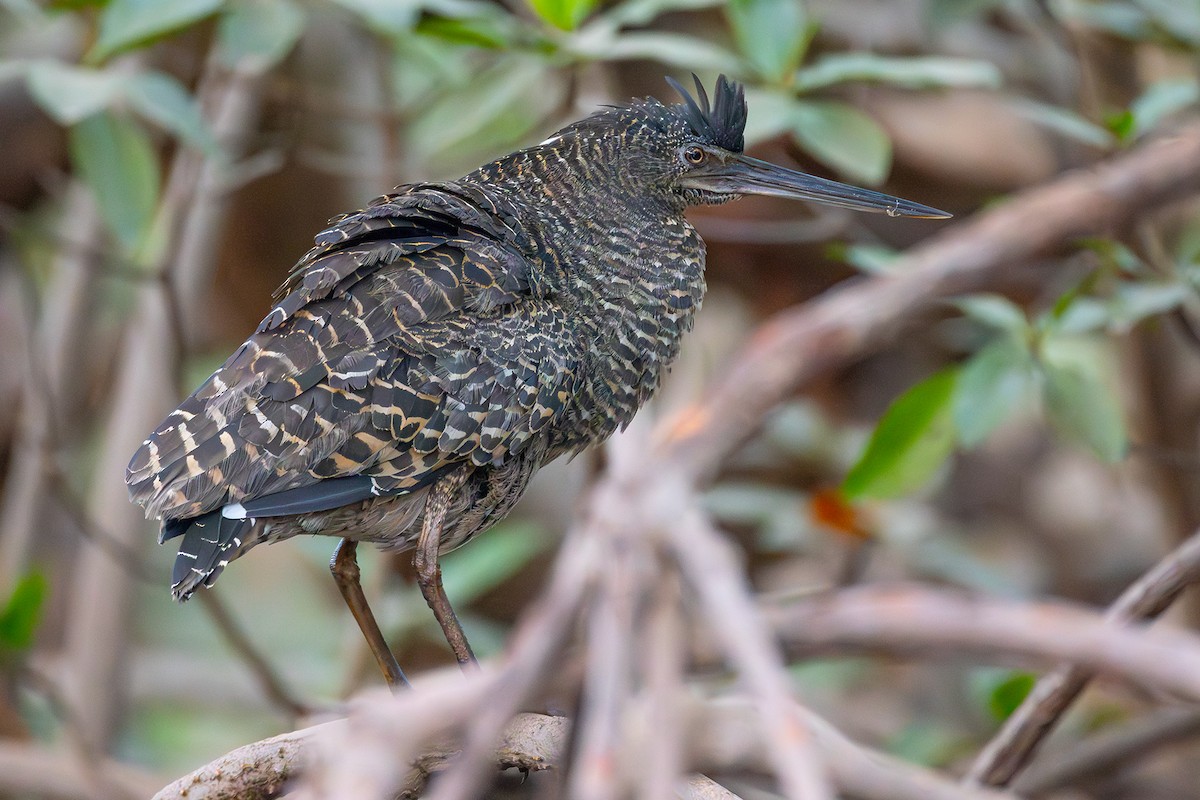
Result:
x=582 y=209
x=626 y=266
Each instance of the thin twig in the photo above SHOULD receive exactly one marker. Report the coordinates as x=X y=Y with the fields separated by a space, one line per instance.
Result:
x=726 y=735
x=1110 y=751
x=1023 y=732
x=272 y=684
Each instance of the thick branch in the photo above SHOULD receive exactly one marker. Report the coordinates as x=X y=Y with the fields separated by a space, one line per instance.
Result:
x=910 y=620
x=725 y=735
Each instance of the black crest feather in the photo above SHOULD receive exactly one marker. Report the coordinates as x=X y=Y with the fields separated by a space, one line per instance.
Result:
x=724 y=121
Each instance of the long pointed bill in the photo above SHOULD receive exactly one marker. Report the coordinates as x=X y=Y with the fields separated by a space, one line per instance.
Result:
x=739 y=174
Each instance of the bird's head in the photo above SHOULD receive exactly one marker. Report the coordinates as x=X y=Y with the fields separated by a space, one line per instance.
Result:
x=693 y=150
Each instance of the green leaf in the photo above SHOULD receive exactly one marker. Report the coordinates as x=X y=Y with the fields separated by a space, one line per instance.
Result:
x=925 y=743
x=997 y=690
x=21 y=614
x=1115 y=255
x=563 y=14
x=1134 y=302
x=164 y=101
x=1084 y=409
x=260 y=33
x=913 y=439
x=117 y=162
x=772 y=112
x=1122 y=124
x=489 y=111
x=1120 y=19
x=992 y=383
x=125 y=24
x=1160 y=101
x=1063 y=121
x=1081 y=315
x=488 y=32
x=1180 y=20
x=14 y=69
x=929 y=72
x=996 y=312
x=69 y=93
x=1008 y=694
x=385 y=17
x=844 y=138
x=643 y=12
x=26 y=11
x=673 y=49
x=945 y=13
x=771 y=34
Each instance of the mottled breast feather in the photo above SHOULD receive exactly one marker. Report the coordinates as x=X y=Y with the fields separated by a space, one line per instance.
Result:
x=416 y=334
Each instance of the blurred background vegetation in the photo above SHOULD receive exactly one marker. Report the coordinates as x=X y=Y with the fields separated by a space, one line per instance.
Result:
x=166 y=161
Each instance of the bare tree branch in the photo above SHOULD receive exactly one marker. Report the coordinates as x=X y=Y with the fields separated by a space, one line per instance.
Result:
x=51 y=380
x=915 y=621
x=663 y=649
x=1023 y=732
x=530 y=742
x=1110 y=751
x=272 y=683
x=699 y=787
x=726 y=735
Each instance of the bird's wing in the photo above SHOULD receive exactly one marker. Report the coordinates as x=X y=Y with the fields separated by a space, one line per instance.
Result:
x=411 y=338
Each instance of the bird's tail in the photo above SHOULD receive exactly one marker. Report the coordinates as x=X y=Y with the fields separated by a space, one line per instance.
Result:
x=210 y=542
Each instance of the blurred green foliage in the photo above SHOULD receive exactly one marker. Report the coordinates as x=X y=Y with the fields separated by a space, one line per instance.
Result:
x=911 y=441
x=491 y=75
x=1064 y=354
x=21 y=613
x=475 y=78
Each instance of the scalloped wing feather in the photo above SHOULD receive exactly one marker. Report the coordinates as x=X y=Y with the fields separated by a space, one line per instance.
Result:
x=367 y=364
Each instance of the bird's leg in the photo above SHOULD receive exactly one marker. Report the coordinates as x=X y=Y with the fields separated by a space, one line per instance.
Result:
x=429 y=570
x=344 y=567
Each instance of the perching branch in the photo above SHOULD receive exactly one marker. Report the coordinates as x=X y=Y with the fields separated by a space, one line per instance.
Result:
x=724 y=734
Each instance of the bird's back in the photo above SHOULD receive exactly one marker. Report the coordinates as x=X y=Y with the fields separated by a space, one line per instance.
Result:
x=414 y=336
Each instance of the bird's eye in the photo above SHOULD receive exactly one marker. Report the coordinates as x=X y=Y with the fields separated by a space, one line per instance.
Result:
x=694 y=155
